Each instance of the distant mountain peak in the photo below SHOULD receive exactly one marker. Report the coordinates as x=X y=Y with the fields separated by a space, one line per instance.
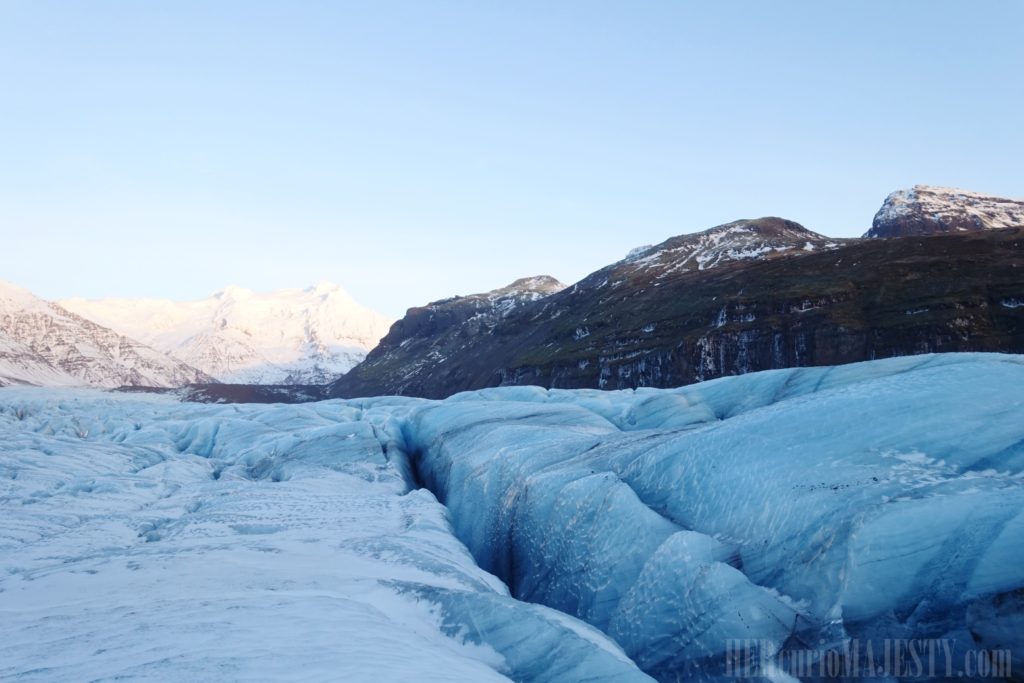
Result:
x=525 y=288
x=43 y=343
x=727 y=235
x=326 y=288
x=233 y=292
x=288 y=336
x=17 y=296
x=928 y=209
x=538 y=284
x=742 y=240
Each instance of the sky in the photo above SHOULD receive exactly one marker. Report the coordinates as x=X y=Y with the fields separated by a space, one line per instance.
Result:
x=410 y=151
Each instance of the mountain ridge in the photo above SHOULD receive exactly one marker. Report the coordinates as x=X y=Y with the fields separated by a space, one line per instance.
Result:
x=743 y=296
x=288 y=336
x=43 y=343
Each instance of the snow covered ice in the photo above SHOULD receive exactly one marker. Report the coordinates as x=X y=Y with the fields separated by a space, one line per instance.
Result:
x=155 y=540
x=143 y=537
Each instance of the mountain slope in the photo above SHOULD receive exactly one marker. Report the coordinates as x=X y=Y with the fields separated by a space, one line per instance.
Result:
x=290 y=336
x=760 y=239
x=44 y=344
x=664 y=325
x=927 y=210
x=405 y=359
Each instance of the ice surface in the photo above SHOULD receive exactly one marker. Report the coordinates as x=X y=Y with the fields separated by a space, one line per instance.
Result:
x=866 y=501
x=142 y=537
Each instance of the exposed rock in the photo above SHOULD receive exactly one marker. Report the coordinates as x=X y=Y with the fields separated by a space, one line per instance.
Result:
x=405 y=360
x=926 y=210
x=657 y=319
x=44 y=344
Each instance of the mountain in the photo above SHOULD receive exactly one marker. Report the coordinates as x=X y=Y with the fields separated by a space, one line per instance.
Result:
x=746 y=296
x=760 y=239
x=406 y=359
x=42 y=343
x=927 y=210
x=291 y=336
x=450 y=345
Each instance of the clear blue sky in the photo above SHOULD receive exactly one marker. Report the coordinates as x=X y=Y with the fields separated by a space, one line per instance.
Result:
x=414 y=150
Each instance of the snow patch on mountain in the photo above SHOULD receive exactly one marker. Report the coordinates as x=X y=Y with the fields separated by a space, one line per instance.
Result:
x=290 y=336
x=524 y=290
x=925 y=209
x=737 y=241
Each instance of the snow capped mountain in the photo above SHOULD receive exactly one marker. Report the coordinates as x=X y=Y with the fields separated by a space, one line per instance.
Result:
x=743 y=240
x=44 y=344
x=291 y=336
x=924 y=210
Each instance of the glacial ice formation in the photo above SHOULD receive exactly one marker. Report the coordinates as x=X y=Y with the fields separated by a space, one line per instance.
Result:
x=143 y=538
x=796 y=507
x=800 y=508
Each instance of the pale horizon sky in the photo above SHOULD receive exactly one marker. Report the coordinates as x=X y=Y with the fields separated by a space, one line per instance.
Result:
x=410 y=151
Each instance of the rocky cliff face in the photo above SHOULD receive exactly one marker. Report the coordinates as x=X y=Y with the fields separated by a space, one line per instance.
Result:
x=44 y=344
x=408 y=359
x=659 y=319
x=926 y=210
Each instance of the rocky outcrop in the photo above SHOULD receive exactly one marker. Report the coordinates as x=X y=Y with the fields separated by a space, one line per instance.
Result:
x=745 y=240
x=926 y=210
x=407 y=360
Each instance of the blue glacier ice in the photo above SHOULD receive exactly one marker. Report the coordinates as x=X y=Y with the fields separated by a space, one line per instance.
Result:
x=144 y=539
x=514 y=533
x=797 y=507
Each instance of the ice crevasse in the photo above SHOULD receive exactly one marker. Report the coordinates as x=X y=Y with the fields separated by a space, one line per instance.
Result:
x=800 y=508
x=635 y=533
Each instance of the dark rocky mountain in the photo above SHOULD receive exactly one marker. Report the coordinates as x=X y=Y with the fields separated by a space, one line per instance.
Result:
x=679 y=313
x=406 y=359
x=926 y=210
x=761 y=239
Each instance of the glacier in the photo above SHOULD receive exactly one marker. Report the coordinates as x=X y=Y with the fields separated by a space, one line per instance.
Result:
x=514 y=533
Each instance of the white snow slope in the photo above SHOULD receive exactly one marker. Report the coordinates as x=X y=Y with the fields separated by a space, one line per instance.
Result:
x=291 y=336
x=43 y=344
x=145 y=538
